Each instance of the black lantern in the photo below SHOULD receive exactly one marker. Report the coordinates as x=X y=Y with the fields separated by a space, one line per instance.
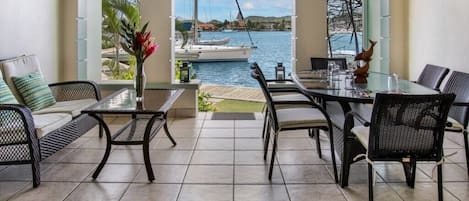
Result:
x=280 y=71
x=184 y=73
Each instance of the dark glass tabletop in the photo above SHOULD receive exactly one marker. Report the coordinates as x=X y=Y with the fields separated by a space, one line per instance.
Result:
x=362 y=93
x=123 y=102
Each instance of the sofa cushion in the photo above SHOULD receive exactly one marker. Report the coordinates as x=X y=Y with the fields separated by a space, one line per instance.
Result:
x=17 y=67
x=73 y=107
x=35 y=92
x=6 y=97
x=45 y=123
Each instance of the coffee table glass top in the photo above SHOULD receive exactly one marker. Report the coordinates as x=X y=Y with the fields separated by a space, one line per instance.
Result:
x=123 y=102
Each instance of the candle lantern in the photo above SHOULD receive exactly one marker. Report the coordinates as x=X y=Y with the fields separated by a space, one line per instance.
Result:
x=184 y=72
x=280 y=71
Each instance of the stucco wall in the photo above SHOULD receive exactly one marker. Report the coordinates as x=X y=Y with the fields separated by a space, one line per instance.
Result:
x=438 y=34
x=31 y=27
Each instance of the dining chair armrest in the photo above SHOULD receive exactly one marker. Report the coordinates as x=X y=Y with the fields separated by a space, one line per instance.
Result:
x=460 y=104
x=274 y=80
x=350 y=116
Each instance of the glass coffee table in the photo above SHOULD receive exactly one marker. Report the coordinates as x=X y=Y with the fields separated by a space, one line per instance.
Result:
x=148 y=117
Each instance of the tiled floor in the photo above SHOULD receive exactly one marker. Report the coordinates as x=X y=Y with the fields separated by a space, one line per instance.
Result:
x=217 y=161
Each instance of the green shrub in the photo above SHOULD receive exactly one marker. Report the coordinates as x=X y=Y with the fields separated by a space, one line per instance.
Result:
x=204 y=104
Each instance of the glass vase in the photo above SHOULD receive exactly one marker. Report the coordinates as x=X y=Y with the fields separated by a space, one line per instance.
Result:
x=140 y=82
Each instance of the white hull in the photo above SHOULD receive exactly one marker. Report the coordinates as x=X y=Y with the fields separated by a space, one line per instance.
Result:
x=223 y=41
x=204 y=53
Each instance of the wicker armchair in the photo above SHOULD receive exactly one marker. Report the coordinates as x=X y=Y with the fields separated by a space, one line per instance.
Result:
x=20 y=142
x=432 y=76
x=301 y=114
x=286 y=93
x=404 y=128
x=458 y=116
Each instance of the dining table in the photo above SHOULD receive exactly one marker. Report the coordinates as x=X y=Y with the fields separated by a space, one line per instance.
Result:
x=339 y=95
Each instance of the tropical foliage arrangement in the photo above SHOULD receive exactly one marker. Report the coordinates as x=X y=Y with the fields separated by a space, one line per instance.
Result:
x=113 y=11
x=137 y=43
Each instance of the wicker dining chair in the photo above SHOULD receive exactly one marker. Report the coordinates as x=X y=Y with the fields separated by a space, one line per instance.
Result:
x=404 y=128
x=293 y=118
x=459 y=113
x=285 y=94
x=319 y=63
x=432 y=76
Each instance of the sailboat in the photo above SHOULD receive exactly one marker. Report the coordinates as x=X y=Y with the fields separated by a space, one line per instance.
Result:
x=210 y=53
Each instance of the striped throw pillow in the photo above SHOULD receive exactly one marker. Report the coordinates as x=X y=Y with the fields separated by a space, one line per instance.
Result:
x=34 y=91
x=6 y=97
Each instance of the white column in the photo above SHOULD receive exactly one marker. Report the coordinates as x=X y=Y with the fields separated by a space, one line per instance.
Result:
x=310 y=30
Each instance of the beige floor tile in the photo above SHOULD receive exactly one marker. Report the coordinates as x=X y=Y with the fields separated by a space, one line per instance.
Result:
x=312 y=174
x=248 y=132
x=451 y=145
x=116 y=173
x=170 y=157
x=249 y=144
x=213 y=174
x=217 y=133
x=458 y=157
x=201 y=115
x=186 y=123
x=94 y=143
x=296 y=144
x=457 y=138
x=394 y=172
x=219 y=124
x=299 y=157
x=249 y=123
x=126 y=156
x=47 y=191
x=180 y=132
x=98 y=191
x=251 y=158
x=215 y=144
x=206 y=193
x=317 y=192
x=152 y=192
x=359 y=192
x=77 y=143
x=359 y=174
x=8 y=189
x=181 y=144
x=21 y=172
x=421 y=192
x=84 y=156
x=451 y=172
x=260 y=193
x=163 y=174
x=212 y=157
x=257 y=175
x=66 y=172
x=459 y=189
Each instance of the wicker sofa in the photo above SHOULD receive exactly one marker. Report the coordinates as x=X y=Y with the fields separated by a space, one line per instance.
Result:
x=35 y=135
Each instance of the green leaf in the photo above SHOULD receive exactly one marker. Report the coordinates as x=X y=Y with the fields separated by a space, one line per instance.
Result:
x=144 y=27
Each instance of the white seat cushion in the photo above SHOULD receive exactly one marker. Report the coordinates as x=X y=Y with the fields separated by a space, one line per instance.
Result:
x=280 y=84
x=300 y=117
x=45 y=123
x=290 y=97
x=362 y=134
x=455 y=125
x=73 y=107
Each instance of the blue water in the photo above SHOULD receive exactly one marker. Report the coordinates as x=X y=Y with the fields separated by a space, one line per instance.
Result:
x=272 y=47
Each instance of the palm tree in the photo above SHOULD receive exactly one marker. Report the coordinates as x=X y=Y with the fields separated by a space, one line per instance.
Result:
x=113 y=12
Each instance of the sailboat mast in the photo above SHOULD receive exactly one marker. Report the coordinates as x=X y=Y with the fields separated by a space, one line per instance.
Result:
x=196 y=21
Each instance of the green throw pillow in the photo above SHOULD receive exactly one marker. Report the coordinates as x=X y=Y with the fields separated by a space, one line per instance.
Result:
x=6 y=97
x=34 y=91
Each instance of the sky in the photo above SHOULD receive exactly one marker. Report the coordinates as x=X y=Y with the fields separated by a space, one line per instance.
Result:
x=221 y=9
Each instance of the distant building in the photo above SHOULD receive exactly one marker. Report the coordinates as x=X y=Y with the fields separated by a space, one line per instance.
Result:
x=206 y=27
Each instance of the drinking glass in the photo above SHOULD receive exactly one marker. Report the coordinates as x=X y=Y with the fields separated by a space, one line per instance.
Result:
x=393 y=83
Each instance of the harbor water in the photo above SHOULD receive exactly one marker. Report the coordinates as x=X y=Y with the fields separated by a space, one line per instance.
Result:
x=272 y=47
